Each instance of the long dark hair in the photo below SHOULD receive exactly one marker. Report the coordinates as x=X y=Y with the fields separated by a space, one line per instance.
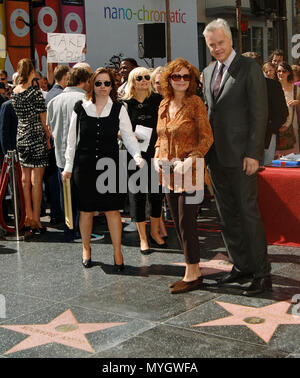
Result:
x=25 y=67
x=113 y=94
x=288 y=68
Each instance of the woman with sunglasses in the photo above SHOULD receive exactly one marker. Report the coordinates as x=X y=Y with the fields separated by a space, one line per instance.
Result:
x=93 y=137
x=142 y=105
x=292 y=97
x=184 y=134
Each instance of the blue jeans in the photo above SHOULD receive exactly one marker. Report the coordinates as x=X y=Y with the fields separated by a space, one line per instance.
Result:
x=69 y=234
x=270 y=152
x=54 y=193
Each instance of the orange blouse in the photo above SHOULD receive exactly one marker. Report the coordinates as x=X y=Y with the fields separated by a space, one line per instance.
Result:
x=189 y=134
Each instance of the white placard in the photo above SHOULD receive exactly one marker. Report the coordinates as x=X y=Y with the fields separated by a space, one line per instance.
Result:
x=2 y=46
x=65 y=47
x=143 y=134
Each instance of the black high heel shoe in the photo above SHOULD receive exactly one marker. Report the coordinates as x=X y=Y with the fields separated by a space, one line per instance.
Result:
x=154 y=242
x=88 y=263
x=118 y=268
x=39 y=230
x=145 y=251
x=36 y=229
x=27 y=225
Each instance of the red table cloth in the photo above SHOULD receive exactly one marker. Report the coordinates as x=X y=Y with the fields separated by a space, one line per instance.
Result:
x=279 y=203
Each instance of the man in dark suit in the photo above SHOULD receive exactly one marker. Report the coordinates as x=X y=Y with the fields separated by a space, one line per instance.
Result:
x=277 y=111
x=236 y=95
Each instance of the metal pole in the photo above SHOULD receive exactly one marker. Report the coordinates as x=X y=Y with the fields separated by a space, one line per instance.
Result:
x=238 y=25
x=31 y=31
x=284 y=27
x=14 y=184
x=168 y=31
x=12 y=159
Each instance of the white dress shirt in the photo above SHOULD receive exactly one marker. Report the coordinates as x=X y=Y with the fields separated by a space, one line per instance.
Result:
x=227 y=64
x=125 y=126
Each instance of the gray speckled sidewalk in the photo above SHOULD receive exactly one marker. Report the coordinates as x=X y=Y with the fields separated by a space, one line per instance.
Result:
x=50 y=306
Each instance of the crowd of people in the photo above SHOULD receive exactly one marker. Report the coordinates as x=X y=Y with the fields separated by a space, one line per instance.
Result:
x=238 y=115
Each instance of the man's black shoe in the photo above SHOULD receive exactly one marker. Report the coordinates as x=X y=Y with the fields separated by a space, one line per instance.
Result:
x=56 y=221
x=258 y=286
x=233 y=276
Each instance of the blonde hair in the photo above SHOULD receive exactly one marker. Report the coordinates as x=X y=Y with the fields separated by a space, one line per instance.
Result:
x=131 y=93
x=85 y=66
x=158 y=70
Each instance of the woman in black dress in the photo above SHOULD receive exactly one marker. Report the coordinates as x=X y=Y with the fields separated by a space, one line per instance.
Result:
x=33 y=141
x=93 y=135
x=142 y=106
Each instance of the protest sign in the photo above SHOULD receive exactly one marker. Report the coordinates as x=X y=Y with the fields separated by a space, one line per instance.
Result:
x=65 y=47
x=2 y=46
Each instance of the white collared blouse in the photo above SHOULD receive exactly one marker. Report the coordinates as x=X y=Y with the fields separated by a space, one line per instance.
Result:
x=127 y=134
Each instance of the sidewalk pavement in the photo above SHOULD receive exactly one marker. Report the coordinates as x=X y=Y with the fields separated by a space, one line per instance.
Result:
x=51 y=306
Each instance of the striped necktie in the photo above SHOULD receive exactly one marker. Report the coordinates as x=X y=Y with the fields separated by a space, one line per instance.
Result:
x=218 y=81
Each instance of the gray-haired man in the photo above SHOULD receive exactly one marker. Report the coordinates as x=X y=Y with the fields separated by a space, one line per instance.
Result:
x=236 y=96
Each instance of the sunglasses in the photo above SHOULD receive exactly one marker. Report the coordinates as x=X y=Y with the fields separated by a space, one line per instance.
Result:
x=99 y=83
x=140 y=78
x=3 y=78
x=176 y=77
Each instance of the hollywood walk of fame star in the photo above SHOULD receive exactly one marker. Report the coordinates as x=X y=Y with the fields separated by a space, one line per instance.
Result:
x=64 y=329
x=219 y=263
x=263 y=320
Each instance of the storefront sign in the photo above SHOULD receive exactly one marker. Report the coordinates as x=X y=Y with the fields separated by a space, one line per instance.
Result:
x=111 y=28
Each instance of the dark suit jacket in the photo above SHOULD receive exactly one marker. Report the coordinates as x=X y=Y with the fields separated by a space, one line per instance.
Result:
x=239 y=114
x=8 y=127
x=278 y=110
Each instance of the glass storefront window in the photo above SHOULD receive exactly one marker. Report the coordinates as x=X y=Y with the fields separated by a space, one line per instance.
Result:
x=257 y=40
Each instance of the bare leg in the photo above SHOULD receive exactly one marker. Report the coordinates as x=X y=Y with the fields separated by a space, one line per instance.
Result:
x=36 y=193
x=192 y=272
x=141 y=227
x=114 y=223
x=86 y=225
x=162 y=227
x=26 y=184
x=154 y=232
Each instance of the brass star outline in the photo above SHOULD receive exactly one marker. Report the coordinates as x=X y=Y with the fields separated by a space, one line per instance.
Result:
x=64 y=329
x=263 y=321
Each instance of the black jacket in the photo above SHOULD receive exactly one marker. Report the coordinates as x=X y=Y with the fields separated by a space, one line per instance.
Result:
x=8 y=127
x=278 y=110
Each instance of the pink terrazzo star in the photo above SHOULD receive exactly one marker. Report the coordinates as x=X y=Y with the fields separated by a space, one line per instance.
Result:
x=219 y=263
x=263 y=320
x=64 y=329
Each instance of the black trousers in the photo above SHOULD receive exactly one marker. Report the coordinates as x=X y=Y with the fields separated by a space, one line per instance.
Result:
x=185 y=218
x=243 y=233
x=138 y=205
x=138 y=200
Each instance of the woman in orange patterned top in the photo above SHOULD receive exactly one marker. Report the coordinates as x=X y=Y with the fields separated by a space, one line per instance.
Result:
x=184 y=136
